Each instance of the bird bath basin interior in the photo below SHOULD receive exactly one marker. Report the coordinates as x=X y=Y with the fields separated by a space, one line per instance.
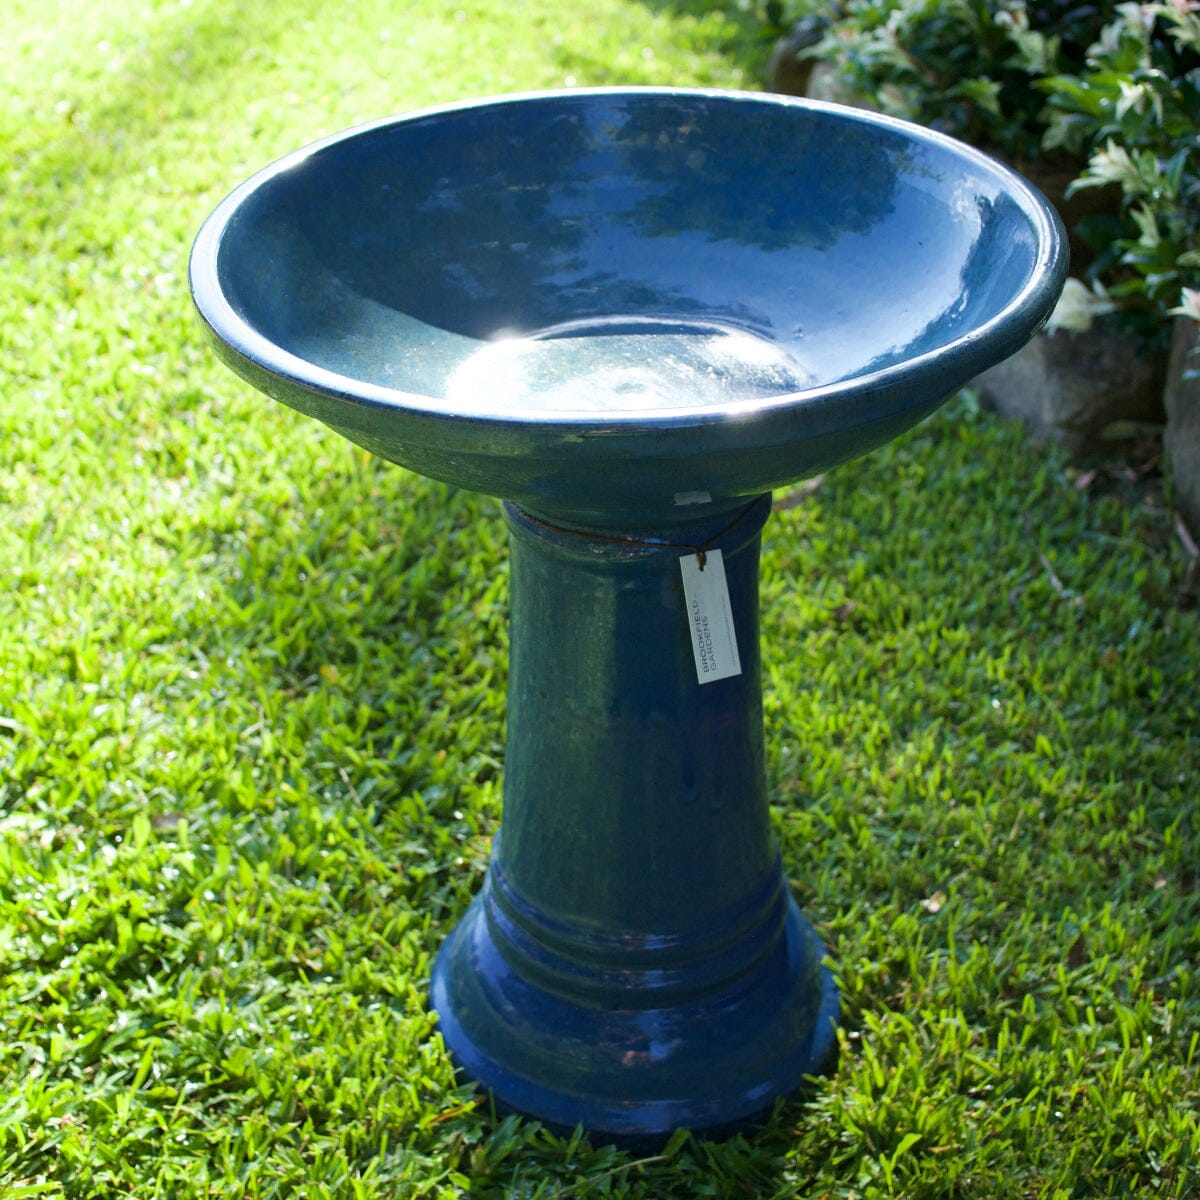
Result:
x=630 y=314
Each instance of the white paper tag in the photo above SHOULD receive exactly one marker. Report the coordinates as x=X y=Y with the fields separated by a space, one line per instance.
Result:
x=710 y=618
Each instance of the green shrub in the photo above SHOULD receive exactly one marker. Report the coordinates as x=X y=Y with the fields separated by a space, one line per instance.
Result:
x=1135 y=108
x=967 y=67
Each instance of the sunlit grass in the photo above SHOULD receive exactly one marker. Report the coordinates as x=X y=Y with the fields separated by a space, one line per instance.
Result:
x=251 y=718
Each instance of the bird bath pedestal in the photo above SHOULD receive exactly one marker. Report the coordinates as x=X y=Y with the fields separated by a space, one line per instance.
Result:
x=630 y=314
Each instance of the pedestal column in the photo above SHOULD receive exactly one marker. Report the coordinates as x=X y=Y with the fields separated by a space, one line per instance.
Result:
x=633 y=961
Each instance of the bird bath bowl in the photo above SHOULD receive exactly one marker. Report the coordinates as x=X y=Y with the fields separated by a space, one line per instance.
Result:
x=630 y=314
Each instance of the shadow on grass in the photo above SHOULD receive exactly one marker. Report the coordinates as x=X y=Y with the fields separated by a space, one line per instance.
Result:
x=711 y=31
x=750 y=39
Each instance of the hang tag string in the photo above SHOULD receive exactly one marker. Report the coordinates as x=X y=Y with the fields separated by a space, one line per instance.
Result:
x=700 y=551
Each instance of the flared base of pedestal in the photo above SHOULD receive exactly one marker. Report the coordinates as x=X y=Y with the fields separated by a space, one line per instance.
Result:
x=713 y=1061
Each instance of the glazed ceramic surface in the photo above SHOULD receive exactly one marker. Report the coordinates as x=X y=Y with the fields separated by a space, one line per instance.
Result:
x=630 y=314
x=616 y=303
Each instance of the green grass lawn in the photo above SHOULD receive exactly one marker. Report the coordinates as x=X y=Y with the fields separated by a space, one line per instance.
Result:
x=251 y=705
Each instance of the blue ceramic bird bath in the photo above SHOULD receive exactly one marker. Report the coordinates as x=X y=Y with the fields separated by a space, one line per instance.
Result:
x=630 y=314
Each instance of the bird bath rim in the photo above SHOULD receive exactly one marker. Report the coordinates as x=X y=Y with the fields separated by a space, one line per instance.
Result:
x=274 y=369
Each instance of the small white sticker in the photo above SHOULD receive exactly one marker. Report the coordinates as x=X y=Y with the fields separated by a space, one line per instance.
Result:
x=710 y=618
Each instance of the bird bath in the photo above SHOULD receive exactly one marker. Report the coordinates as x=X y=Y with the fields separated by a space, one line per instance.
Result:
x=630 y=314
